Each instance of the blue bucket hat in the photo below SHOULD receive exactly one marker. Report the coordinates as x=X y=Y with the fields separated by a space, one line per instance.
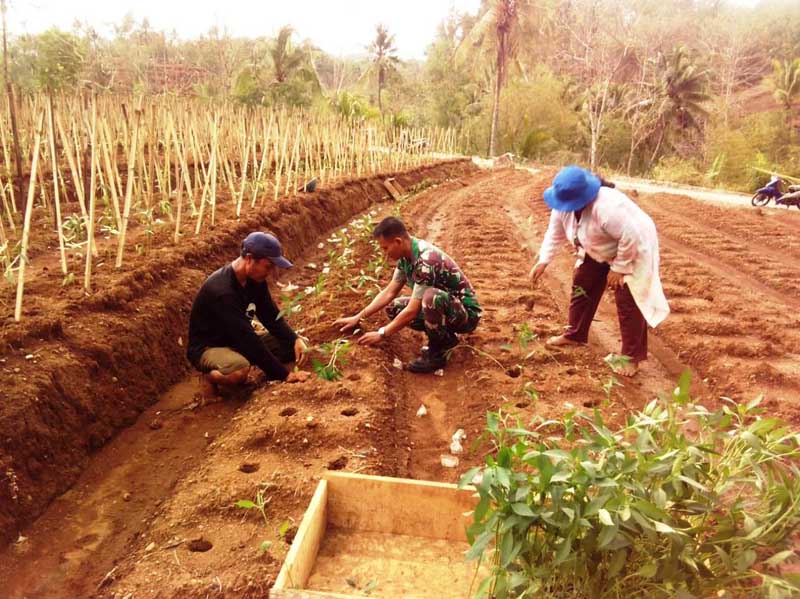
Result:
x=264 y=245
x=573 y=188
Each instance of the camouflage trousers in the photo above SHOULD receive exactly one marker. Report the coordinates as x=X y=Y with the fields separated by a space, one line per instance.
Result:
x=441 y=316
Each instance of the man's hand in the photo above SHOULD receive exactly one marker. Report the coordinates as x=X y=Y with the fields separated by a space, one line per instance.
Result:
x=372 y=338
x=615 y=280
x=300 y=351
x=300 y=376
x=536 y=273
x=347 y=323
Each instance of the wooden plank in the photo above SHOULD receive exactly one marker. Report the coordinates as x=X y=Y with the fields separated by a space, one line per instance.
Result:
x=305 y=594
x=303 y=552
x=392 y=191
x=399 y=506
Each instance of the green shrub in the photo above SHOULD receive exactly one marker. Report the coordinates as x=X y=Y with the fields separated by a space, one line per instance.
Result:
x=678 y=170
x=572 y=509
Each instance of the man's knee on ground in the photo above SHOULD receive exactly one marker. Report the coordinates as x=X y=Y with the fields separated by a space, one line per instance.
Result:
x=237 y=377
x=222 y=359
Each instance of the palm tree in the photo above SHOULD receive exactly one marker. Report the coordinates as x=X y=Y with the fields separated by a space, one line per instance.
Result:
x=498 y=30
x=384 y=59
x=786 y=82
x=680 y=94
x=286 y=59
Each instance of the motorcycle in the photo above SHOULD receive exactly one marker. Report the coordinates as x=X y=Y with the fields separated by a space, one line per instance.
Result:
x=790 y=198
x=771 y=191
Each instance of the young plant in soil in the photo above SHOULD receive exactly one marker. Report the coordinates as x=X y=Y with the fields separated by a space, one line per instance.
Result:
x=334 y=351
x=608 y=388
x=260 y=504
x=647 y=510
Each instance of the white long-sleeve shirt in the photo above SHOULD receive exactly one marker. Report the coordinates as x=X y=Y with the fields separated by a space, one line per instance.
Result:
x=613 y=229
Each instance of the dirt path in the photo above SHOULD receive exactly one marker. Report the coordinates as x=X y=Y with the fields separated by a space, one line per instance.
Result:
x=732 y=324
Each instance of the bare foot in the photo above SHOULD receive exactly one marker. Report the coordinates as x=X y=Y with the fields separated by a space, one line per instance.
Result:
x=560 y=341
x=208 y=389
x=628 y=369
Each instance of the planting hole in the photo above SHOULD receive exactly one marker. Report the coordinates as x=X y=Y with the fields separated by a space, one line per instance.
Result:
x=249 y=468
x=338 y=464
x=290 y=534
x=288 y=411
x=514 y=371
x=200 y=545
x=349 y=411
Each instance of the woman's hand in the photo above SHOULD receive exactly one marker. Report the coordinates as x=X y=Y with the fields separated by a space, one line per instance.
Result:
x=536 y=273
x=615 y=280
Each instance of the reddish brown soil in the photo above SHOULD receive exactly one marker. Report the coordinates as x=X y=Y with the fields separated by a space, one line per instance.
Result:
x=79 y=367
x=727 y=274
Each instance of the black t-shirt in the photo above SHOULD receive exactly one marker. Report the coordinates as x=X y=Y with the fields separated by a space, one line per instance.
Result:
x=219 y=319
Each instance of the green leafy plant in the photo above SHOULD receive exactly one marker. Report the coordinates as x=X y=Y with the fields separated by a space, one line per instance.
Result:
x=291 y=304
x=260 y=505
x=525 y=336
x=608 y=387
x=530 y=392
x=334 y=351
x=647 y=510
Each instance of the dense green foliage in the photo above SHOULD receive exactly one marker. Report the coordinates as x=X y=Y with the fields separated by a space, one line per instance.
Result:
x=679 y=502
x=699 y=91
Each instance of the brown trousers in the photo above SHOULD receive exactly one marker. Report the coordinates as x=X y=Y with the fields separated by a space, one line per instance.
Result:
x=588 y=285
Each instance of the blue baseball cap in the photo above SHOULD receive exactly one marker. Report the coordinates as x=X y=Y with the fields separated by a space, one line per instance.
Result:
x=263 y=245
x=573 y=187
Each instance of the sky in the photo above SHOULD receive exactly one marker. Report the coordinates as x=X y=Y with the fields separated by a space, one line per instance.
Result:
x=339 y=27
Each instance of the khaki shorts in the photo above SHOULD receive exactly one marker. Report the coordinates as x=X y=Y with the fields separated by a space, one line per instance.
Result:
x=224 y=359
x=228 y=360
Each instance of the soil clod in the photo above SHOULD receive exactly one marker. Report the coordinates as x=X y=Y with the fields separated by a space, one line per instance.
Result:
x=200 y=545
x=338 y=464
x=349 y=411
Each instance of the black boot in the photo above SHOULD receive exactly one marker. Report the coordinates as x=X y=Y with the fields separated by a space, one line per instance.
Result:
x=434 y=357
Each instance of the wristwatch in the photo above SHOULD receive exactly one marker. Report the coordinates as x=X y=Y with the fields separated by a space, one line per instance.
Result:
x=382 y=331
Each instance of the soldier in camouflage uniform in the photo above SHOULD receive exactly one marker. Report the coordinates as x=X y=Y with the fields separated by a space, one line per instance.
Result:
x=442 y=302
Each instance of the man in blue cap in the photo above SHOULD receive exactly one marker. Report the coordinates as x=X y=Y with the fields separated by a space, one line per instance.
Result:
x=223 y=343
x=617 y=247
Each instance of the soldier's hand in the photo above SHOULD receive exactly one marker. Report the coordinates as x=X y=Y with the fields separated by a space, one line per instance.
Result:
x=347 y=323
x=372 y=338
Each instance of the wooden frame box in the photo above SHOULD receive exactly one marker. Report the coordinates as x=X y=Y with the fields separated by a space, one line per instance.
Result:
x=381 y=537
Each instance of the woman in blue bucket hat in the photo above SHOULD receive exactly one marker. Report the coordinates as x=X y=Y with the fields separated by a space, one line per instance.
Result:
x=617 y=247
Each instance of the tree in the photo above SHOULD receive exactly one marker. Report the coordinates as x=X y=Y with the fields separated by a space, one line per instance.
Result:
x=286 y=59
x=680 y=95
x=498 y=30
x=786 y=82
x=384 y=59
x=59 y=59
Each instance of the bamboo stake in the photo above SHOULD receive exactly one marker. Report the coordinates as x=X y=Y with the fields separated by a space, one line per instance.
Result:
x=6 y=207
x=76 y=179
x=54 y=167
x=26 y=227
x=177 y=236
x=126 y=211
x=87 y=274
x=110 y=174
x=7 y=158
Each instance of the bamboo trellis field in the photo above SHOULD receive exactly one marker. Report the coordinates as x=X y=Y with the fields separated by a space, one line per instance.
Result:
x=96 y=168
